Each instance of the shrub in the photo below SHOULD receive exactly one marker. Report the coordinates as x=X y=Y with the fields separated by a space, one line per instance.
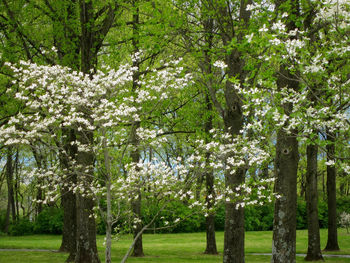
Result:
x=220 y=218
x=301 y=214
x=49 y=221
x=100 y=226
x=22 y=227
x=2 y=219
x=194 y=223
x=266 y=216
x=257 y=218
x=322 y=214
x=343 y=203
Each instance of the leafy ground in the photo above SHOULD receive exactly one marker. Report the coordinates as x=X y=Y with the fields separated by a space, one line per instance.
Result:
x=162 y=248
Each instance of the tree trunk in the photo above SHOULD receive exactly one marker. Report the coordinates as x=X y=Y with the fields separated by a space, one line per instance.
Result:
x=234 y=223
x=234 y=218
x=286 y=168
x=232 y=116
x=86 y=231
x=284 y=225
x=69 y=231
x=136 y=209
x=136 y=203
x=17 y=188
x=211 y=248
x=314 y=246
x=39 y=194
x=10 y=184
x=91 y=40
x=286 y=161
x=210 y=195
x=264 y=172
x=332 y=241
x=210 y=235
x=233 y=121
x=108 y=251
x=135 y=154
x=68 y=198
x=86 y=228
x=67 y=41
x=11 y=208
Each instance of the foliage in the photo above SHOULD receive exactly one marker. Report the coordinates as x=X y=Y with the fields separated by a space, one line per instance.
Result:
x=40 y=101
x=2 y=219
x=301 y=215
x=192 y=220
x=49 y=221
x=21 y=227
x=343 y=203
x=259 y=218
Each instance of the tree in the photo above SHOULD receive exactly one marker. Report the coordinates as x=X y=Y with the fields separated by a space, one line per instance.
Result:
x=314 y=246
x=11 y=206
x=64 y=20
x=231 y=114
x=332 y=241
x=210 y=191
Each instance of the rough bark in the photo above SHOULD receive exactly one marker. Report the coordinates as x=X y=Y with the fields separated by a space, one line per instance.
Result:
x=69 y=231
x=265 y=172
x=284 y=225
x=68 y=202
x=210 y=235
x=136 y=203
x=135 y=154
x=233 y=121
x=234 y=224
x=39 y=194
x=210 y=194
x=86 y=231
x=138 y=246
x=90 y=43
x=314 y=246
x=234 y=218
x=286 y=167
x=332 y=241
x=211 y=248
x=68 y=198
x=66 y=40
x=86 y=228
x=286 y=161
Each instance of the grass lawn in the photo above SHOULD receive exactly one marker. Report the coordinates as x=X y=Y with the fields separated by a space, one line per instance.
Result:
x=161 y=248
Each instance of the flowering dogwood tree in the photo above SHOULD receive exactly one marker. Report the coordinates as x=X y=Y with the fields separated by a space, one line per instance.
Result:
x=302 y=88
x=57 y=98
x=103 y=105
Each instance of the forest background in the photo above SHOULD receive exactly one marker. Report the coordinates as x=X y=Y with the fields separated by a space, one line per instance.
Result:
x=140 y=116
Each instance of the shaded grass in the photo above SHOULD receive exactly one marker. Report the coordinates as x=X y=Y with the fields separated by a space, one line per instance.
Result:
x=162 y=248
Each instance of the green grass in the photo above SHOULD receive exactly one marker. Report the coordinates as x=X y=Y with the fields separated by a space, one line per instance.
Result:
x=161 y=248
